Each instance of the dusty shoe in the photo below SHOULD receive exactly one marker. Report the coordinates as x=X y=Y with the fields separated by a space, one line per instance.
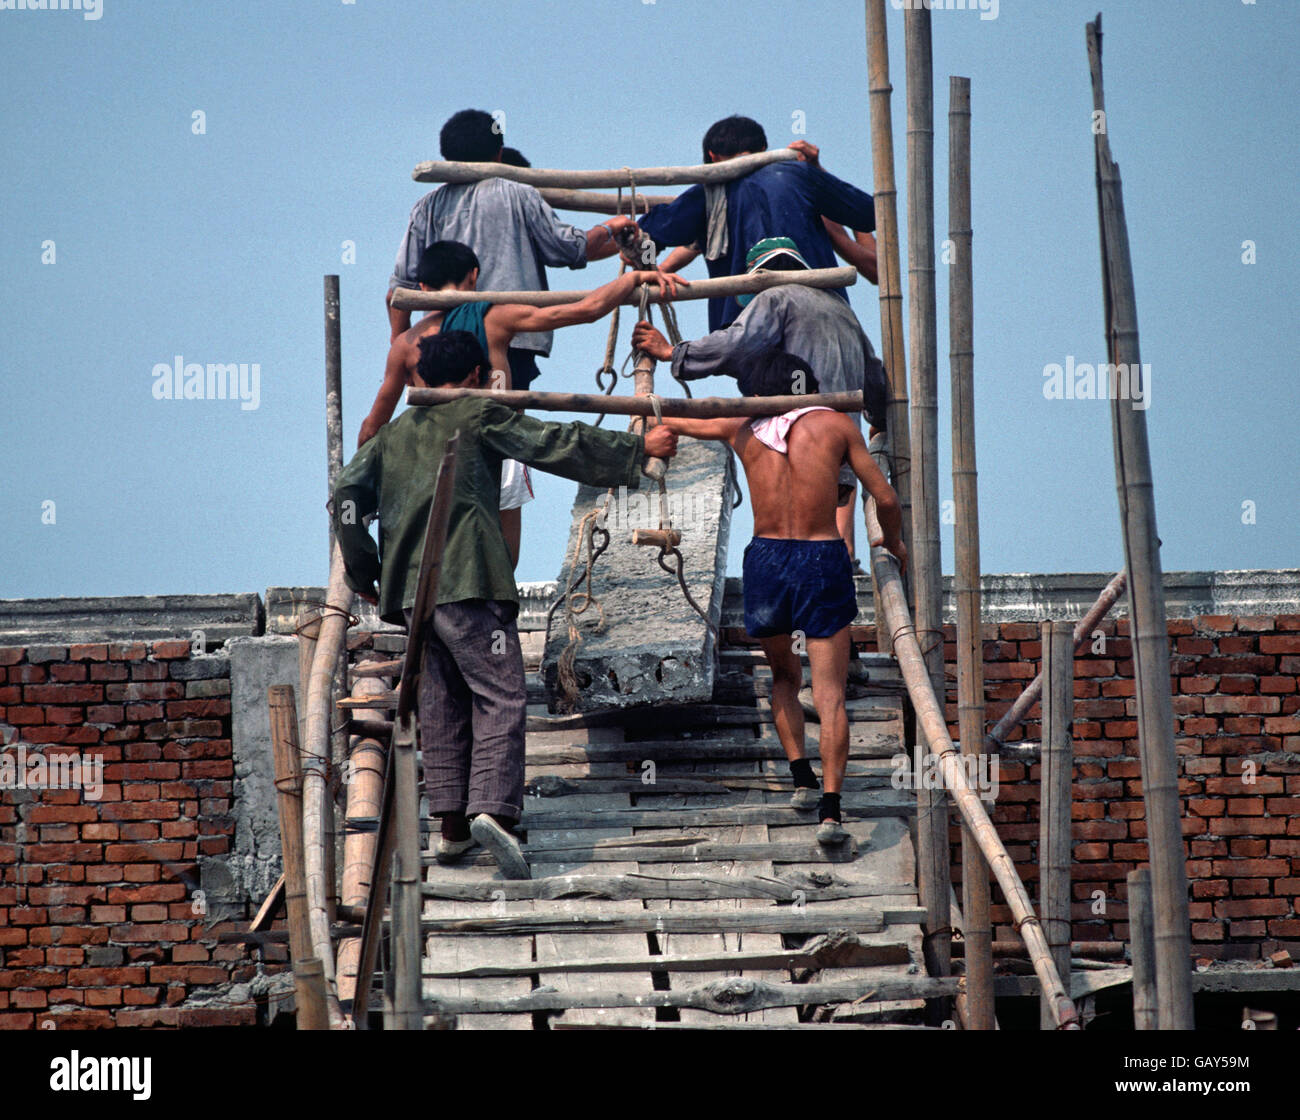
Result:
x=503 y=847
x=449 y=851
x=831 y=833
x=858 y=672
x=804 y=798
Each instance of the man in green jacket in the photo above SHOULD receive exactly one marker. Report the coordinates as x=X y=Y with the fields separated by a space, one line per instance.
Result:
x=472 y=696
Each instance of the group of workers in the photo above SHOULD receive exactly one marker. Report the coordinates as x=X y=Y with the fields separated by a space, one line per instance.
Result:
x=802 y=467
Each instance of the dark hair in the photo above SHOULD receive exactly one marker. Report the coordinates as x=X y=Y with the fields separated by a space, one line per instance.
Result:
x=774 y=373
x=514 y=157
x=471 y=136
x=733 y=135
x=445 y=262
x=448 y=357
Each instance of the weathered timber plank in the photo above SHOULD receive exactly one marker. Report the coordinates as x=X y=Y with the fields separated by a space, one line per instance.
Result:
x=642 y=885
x=733 y=996
x=862 y=806
x=861 y=746
x=568 y=917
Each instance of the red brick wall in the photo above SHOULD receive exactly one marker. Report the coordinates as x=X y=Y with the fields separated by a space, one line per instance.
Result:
x=1236 y=685
x=98 y=921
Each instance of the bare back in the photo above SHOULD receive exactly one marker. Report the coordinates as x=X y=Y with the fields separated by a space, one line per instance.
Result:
x=794 y=495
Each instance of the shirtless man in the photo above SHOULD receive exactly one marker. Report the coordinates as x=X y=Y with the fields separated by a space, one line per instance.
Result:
x=797 y=575
x=451 y=266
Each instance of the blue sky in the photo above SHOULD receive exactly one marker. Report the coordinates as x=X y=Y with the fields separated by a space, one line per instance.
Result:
x=212 y=245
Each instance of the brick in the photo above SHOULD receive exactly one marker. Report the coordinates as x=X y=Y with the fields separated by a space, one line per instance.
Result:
x=203 y=689
x=1251 y=908
x=127 y=651
x=39 y=655
x=1269 y=643
x=200 y=668
x=11 y=655
x=108 y=672
x=1277 y=684
x=67 y=673
x=91 y=652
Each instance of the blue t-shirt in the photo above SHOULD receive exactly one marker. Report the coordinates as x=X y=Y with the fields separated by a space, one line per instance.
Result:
x=787 y=199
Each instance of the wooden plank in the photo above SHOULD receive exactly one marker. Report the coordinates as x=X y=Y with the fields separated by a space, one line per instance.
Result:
x=870 y=744
x=641 y=885
x=677 y=853
x=733 y=996
x=566 y=917
x=861 y=806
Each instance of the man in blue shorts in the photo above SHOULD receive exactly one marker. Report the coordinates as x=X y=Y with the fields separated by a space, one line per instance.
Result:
x=798 y=579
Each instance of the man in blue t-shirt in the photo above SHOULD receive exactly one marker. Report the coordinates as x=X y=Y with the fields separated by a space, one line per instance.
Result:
x=795 y=199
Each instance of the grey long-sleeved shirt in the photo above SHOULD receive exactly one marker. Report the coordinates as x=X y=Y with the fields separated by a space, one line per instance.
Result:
x=813 y=324
x=512 y=231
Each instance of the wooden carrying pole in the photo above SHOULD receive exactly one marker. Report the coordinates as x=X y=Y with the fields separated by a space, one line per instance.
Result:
x=1142 y=949
x=978 y=929
x=927 y=577
x=1057 y=772
x=450 y=171
x=930 y=717
x=588 y=202
x=892 y=347
x=408 y=299
x=698 y=407
x=1083 y=629
x=1155 y=714
x=309 y=997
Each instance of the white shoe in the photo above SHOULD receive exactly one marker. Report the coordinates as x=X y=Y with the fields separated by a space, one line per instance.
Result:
x=449 y=851
x=804 y=798
x=831 y=833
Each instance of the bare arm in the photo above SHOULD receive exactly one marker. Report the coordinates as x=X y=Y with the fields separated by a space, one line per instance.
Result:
x=723 y=428
x=874 y=485
x=398 y=321
x=678 y=259
x=516 y=317
x=601 y=240
x=390 y=392
x=859 y=251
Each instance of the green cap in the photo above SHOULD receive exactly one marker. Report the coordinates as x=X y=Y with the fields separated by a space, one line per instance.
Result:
x=770 y=247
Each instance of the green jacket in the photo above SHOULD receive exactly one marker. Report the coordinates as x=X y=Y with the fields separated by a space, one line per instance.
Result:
x=393 y=475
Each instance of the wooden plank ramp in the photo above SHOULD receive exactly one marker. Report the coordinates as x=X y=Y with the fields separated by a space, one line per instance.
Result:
x=674 y=887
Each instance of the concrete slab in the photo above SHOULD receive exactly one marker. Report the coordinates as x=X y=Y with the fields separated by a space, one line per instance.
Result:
x=653 y=647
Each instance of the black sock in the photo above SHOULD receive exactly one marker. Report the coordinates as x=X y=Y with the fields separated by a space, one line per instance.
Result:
x=801 y=772
x=455 y=827
x=829 y=807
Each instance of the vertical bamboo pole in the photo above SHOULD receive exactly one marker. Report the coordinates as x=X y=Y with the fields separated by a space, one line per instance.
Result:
x=927 y=580
x=309 y=998
x=408 y=999
x=978 y=929
x=1142 y=949
x=1155 y=714
x=892 y=347
x=1057 y=772
x=334 y=453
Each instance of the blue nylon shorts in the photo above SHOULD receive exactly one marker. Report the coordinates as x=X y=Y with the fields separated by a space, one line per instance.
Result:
x=798 y=585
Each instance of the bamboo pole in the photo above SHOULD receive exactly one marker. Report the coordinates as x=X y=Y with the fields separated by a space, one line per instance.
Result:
x=1142 y=947
x=978 y=929
x=365 y=791
x=308 y=998
x=409 y=299
x=1155 y=715
x=699 y=407
x=407 y=942
x=930 y=716
x=588 y=202
x=1056 y=774
x=892 y=347
x=927 y=576
x=1083 y=629
x=451 y=171
x=316 y=757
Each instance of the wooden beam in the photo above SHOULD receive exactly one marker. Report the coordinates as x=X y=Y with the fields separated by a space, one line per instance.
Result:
x=856 y=807
x=698 y=852
x=451 y=171
x=270 y=904
x=1136 y=490
x=409 y=299
x=589 y=202
x=643 y=886
x=1055 y=851
x=700 y=407
x=775 y=919
x=407 y=873
x=730 y=996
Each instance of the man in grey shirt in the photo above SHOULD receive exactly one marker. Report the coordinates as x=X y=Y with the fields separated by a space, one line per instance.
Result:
x=512 y=230
x=816 y=326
